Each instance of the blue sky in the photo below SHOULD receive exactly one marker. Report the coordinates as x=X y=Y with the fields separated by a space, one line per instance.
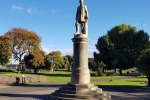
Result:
x=54 y=20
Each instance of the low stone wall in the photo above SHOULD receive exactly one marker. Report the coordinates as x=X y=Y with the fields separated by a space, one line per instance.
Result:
x=27 y=79
x=7 y=79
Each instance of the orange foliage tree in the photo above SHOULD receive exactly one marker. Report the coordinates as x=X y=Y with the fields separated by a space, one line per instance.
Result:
x=23 y=42
x=5 y=49
x=35 y=60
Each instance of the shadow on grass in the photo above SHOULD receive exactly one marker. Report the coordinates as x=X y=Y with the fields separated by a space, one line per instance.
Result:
x=8 y=72
x=125 y=88
x=134 y=81
x=54 y=85
x=23 y=96
x=130 y=74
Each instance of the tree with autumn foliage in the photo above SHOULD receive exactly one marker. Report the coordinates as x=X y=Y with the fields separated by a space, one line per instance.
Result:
x=35 y=60
x=5 y=49
x=23 y=42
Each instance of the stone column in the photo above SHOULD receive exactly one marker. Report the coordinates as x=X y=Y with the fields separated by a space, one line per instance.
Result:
x=80 y=70
x=80 y=87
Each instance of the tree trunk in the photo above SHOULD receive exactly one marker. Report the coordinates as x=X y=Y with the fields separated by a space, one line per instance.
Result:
x=103 y=70
x=148 y=77
x=114 y=70
x=52 y=69
x=68 y=69
x=19 y=67
x=36 y=70
x=120 y=71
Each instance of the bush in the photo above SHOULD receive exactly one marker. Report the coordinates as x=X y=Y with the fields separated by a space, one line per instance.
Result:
x=5 y=70
x=94 y=74
x=99 y=72
x=108 y=73
x=115 y=74
x=127 y=72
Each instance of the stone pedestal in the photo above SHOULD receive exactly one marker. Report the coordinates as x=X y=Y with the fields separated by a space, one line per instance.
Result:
x=80 y=87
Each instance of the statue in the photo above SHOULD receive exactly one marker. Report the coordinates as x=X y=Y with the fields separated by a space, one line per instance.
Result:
x=81 y=18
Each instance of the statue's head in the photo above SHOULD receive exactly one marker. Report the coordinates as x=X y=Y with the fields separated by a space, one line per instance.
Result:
x=81 y=2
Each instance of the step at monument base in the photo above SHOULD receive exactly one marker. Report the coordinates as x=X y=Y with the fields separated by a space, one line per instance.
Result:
x=79 y=92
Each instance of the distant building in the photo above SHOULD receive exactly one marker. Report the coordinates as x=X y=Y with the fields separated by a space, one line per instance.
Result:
x=12 y=66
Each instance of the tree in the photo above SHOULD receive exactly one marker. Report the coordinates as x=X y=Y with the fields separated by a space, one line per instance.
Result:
x=35 y=60
x=100 y=67
x=5 y=49
x=65 y=62
x=143 y=63
x=92 y=64
x=70 y=60
x=114 y=63
x=24 y=42
x=97 y=66
x=54 y=60
x=125 y=43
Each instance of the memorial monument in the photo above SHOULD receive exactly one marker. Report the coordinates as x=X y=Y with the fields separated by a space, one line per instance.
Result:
x=80 y=87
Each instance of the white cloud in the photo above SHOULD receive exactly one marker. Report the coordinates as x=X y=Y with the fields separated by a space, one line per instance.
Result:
x=145 y=24
x=31 y=10
x=136 y=24
x=53 y=11
x=15 y=7
x=91 y=50
x=64 y=52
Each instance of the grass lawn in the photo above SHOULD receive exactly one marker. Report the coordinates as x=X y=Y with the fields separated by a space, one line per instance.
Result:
x=61 y=76
x=58 y=76
x=51 y=77
x=133 y=82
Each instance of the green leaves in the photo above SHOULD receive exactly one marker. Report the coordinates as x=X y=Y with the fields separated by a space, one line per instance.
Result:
x=55 y=58
x=123 y=43
x=143 y=62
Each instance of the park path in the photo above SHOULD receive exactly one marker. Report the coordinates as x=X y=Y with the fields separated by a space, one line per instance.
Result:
x=41 y=91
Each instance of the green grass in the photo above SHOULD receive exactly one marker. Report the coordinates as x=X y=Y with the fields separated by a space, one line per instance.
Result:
x=58 y=76
x=61 y=76
x=102 y=77
x=133 y=82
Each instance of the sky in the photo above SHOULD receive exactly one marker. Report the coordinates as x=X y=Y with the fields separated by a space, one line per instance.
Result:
x=54 y=20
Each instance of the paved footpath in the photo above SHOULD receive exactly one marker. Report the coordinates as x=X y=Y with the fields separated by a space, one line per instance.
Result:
x=40 y=92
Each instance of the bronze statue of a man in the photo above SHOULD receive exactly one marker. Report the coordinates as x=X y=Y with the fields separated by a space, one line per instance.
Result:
x=81 y=17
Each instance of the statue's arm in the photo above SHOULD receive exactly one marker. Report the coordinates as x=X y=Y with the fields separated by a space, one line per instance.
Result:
x=77 y=14
x=86 y=12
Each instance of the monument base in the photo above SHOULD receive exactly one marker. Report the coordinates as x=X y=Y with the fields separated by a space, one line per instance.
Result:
x=79 y=92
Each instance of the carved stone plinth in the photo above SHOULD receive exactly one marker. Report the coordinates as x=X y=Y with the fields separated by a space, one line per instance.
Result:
x=80 y=87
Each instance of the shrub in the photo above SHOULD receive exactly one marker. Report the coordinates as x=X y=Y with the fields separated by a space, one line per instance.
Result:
x=108 y=73
x=94 y=74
